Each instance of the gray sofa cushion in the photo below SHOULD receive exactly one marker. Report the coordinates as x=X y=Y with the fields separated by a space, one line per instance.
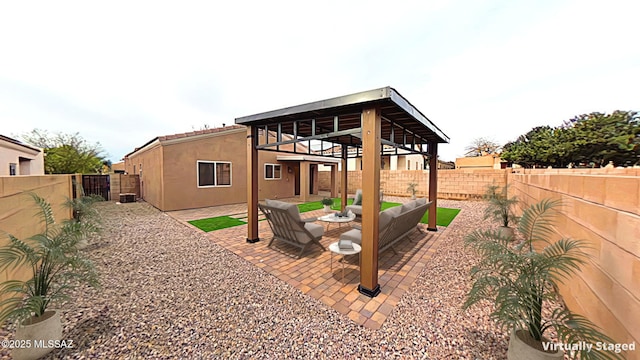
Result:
x=386 y=216
x=409 y=206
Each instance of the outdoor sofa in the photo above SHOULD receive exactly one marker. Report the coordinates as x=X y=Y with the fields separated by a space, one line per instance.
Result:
x=287 y=225
x=394 y=224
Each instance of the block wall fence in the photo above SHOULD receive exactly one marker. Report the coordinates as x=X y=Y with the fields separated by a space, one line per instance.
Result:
x=601 y=206
x=19 y=214
x=122 y=184
x=452 y=184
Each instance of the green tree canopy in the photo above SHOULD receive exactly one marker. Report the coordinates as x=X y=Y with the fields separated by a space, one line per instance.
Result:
x=588 y=140
x=67 y=153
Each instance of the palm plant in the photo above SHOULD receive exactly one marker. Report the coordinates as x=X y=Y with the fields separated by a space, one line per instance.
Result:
x=413 y=189
x=501 y=206
x=55 y=263
x=519 y=279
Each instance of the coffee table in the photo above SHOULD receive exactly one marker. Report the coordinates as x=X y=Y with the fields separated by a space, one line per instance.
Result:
x=331 y=218
x=335 y=248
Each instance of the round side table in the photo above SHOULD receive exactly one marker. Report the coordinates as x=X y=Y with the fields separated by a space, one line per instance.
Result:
x=335 y=248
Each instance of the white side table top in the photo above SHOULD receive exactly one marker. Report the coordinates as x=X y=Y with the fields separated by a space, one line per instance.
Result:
x=334 y=219
x=334 y=247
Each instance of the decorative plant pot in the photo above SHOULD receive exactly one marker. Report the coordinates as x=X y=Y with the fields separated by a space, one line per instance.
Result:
x=519 y=349
x=38 y=332
x=506 y=232
x=327 y=208
x=413 y=197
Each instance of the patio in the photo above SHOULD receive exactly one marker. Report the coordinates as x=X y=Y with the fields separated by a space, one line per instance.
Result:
x=311 y=274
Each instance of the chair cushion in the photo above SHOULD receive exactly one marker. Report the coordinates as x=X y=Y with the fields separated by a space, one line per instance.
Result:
x=421 y=201
x=358 y=198
x=315 y=229
x=354 y=235
x=292 y=209
x=356 y=209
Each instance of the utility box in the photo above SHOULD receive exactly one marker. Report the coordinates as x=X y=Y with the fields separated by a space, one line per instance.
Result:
x=127 y=198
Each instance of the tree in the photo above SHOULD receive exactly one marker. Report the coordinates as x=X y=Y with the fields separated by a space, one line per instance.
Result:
x=590 y=139
x=481 y=146
x=67 y=153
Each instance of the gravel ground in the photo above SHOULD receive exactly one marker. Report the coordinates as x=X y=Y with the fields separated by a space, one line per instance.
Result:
x=168 y=292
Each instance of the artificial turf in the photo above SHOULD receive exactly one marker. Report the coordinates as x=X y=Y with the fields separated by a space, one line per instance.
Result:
x=216 y=223
x=444 y=216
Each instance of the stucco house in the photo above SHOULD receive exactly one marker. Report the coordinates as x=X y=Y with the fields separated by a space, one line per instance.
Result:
x=209 y=168
x=17 y=158
x=486 y=161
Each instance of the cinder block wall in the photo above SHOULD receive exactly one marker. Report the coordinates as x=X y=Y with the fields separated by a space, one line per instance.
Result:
x=452 y=184
x=603 y=207
x=19 y=213
x=121 y=184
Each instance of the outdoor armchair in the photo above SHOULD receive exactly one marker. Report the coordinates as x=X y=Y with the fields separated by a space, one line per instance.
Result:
x=356 y=207
x=287 y=225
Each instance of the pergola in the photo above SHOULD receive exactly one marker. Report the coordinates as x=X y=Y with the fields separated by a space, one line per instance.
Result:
x=365 y=121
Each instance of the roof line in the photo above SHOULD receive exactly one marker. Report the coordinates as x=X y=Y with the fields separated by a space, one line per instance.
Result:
x=17 y=142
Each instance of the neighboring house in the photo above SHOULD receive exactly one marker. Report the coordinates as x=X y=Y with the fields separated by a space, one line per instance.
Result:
x=209 y=168
x=489 y=161
x=17 y=158
x=118 y=168
x=403 y=160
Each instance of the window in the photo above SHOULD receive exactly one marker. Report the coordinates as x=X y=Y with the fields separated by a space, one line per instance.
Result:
x=272 y=171
x=214 y=173
x=12 y=169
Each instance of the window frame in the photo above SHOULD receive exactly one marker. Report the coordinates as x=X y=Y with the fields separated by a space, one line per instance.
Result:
x=273 y=169
x=215 y=175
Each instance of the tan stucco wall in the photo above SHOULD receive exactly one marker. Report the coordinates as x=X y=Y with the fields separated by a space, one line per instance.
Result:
x=11 y=153
x=151 y=179
x=19 y=214
x=602 y=207
x=169 y=177
x=117 y=166
x=479 y=162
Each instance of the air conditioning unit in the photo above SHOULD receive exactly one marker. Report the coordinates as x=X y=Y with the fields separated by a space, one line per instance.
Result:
x=127 y=198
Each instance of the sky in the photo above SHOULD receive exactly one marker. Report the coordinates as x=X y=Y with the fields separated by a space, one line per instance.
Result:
x=123 y=72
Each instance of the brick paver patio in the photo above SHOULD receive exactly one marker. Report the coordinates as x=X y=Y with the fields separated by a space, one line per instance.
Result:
x=312 y=274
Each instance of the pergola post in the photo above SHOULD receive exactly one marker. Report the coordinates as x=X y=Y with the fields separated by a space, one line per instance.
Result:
x=334 y=180
x=371 y=128
x=304 y=181
x=343 y=182
x=252 y=184
x=433 y=185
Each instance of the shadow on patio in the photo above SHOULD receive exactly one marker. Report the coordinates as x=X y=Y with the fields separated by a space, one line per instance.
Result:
x=312 y=273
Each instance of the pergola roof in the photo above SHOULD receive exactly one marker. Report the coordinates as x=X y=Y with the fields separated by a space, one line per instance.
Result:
x=338 y=120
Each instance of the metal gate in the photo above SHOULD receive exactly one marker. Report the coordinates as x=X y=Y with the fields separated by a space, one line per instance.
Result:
x=96 y=185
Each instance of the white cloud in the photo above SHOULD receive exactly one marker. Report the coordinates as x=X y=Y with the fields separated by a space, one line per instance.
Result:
x=124 y=72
